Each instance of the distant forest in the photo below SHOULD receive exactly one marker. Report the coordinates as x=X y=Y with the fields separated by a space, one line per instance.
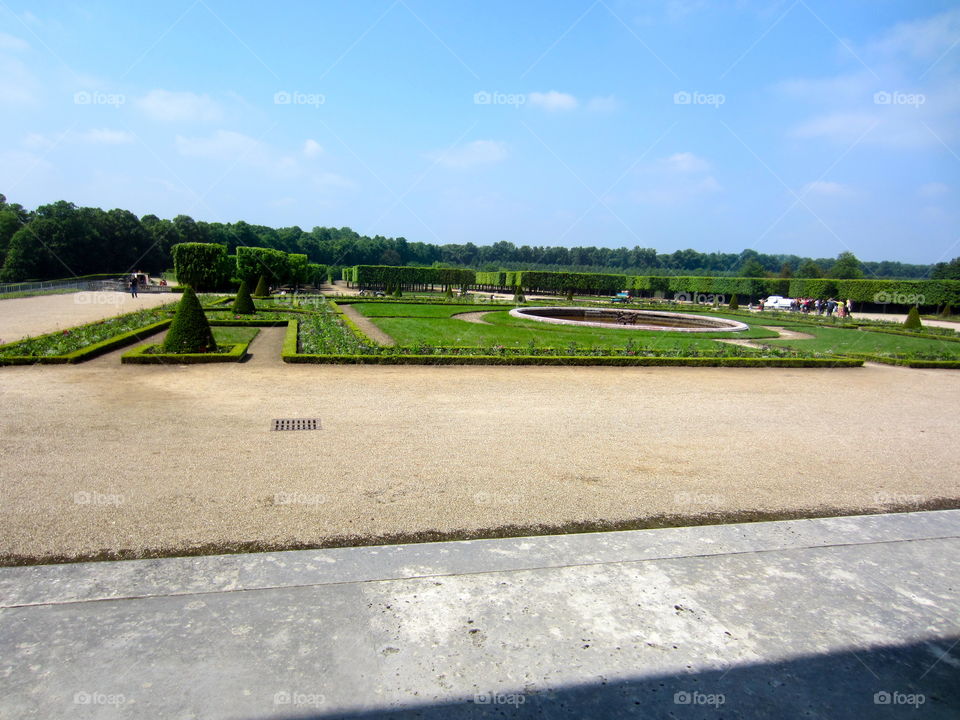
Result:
x=62 y=240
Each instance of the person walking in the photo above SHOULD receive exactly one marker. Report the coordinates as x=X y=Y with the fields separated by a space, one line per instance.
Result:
x=133 y=286
x=849 y=307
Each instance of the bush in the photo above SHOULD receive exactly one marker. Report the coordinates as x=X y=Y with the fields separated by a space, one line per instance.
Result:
x=947 y=310
x=243 y=304
x=448 y=293
x=398 y=292
x=518 y=295
x=189 y=332
x=262 y=290
x=734 y=303
x=202 y=266
x=913 y=319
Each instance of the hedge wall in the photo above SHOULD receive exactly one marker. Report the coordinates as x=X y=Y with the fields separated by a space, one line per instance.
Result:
x=202 y=266
x=252 y=262
x=390 y=276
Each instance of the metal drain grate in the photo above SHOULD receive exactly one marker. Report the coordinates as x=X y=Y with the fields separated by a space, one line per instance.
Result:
x=296 y=424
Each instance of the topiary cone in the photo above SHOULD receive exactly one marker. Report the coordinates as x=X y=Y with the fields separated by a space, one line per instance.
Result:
x=734 y=303
x=243 y=303
x=262 y=290
x=189 y=332
x=913 y=319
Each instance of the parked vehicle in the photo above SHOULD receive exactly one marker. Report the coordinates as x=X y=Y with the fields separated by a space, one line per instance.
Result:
x=778 y=302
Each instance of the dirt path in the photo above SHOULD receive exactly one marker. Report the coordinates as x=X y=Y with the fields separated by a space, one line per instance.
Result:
x=790 y=334
x=23 y=317
x=473 y=317
x=367 y=326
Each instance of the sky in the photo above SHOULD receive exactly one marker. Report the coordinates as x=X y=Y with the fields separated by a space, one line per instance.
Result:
x=788 y=126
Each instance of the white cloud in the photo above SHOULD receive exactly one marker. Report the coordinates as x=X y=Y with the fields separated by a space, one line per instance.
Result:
x=18 y=86
x=12 y=43
x=169 y=106
x=924 y=39
x=845 y=126
x=603 y=104
x=222 y=145
x=553 y=101
x=311 y=148
x=827 y=188
x=472 y=154
x=105 y=136
x=933 y=189
x=685 y=162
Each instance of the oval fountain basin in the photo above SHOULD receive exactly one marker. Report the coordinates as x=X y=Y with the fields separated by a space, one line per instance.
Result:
x=628 y=319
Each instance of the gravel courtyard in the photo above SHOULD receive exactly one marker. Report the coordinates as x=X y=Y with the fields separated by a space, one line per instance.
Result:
x=104 y=460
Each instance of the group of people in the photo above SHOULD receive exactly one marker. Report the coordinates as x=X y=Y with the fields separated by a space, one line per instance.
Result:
x=821 y=307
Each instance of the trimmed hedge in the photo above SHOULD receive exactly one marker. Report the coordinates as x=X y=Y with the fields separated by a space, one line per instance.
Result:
x=202 y=266
x=253 y=262
x=142 y=356
x=189 y=332
x=408 y=277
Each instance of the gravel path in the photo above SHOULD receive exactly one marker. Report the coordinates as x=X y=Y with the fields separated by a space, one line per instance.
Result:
x=23 y=317
x=473 y=317
x=101 y=459
x=367 y=326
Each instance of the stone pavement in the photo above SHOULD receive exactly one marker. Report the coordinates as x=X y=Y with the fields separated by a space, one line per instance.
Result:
x=852 y=617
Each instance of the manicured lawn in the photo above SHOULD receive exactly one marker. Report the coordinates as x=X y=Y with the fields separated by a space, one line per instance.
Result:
x=381 y=309
x=234 y=335
x=833 y=340
x=442 y=330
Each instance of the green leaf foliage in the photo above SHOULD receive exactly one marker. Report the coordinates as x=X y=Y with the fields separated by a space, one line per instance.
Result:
x=189 y=332
x=243 y=303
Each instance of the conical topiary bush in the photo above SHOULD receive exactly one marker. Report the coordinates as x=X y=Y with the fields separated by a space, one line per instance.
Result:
x=189 y=332
x=262 y=290
x=913 y=319
x=243 y=303
x=734 y=302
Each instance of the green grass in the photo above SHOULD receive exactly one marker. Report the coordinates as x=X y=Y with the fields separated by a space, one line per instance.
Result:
x=836 y=341
x=382 y=309
x=442 y=330
x=234 y=335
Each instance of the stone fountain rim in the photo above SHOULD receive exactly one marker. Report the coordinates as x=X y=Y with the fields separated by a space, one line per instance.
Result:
x=732 y=325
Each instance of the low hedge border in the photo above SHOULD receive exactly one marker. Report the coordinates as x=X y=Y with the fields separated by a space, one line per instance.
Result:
x=907 y=362
x=351 y=325
x=907 y=333
x=571 y=361
x=290 y=355
x=90 y=351
x=140 y=356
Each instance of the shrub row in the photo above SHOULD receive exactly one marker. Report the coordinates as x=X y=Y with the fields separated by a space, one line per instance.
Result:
x=388 y=276
x=207 y=266
x=143 y=356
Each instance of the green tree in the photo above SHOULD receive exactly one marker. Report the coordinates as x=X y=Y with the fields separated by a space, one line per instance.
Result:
x=809 y=269
x=752 y=269
x=202 y=266
x=847 y=267
x=189 y=332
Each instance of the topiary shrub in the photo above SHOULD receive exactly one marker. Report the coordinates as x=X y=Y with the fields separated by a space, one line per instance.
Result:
x=518 y=294
x=398 y=292
x=189 y=332
x=449 y=293
x=913 y=319
x=734 y=302
x=947 y=310
x=262 y=290
x=243 y=303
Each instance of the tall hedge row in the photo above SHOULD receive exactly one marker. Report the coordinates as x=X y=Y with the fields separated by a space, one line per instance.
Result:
x=396 y=277
x=202 y=266
x=252 y=262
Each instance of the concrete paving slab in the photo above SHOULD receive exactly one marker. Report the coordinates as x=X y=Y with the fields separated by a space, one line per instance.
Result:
x=843 y=617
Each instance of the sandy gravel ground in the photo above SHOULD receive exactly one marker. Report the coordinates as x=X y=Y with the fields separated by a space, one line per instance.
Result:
x=367 y=326
x=22 y=317
x=473 y=317
x=101 y=459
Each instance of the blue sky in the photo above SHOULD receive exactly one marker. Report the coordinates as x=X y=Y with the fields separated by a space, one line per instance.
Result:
x=791 y=126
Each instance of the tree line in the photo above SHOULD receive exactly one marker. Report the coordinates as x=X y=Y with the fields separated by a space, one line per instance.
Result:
x=63 y=240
